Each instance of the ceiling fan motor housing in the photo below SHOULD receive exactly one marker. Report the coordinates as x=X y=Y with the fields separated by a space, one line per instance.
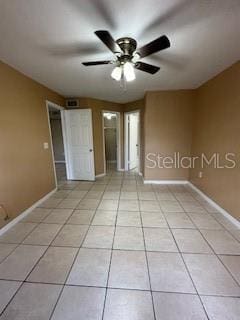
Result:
x=127 y=45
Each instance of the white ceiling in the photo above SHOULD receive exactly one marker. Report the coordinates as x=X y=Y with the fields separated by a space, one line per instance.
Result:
x=48 y=39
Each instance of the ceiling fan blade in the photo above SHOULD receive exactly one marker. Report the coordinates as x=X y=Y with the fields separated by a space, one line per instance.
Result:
x=156 y=45
x=146 y=67
x=108 y=40
x=95 y=63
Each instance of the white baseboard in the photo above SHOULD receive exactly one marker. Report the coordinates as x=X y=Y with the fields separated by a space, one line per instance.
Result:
x=205 y=197
x=100 y=175
x=120 y=169
x=165 y=181
x=60 y=161
x=25 y=212
x=215 y=205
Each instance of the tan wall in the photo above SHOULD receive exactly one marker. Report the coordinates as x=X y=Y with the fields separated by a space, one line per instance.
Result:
x=168 y=129
x=217 y=129
x=97 y=107
x=26 y=171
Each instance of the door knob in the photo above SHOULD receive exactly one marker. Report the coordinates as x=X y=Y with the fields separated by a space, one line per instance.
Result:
x=90 y=150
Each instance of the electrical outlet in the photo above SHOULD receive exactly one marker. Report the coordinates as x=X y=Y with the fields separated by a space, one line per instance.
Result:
x=45 y=145
x=200 y=174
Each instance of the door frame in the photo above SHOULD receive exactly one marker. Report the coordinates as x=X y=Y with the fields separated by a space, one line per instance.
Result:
x=126 y=144
x=59 y=108
x=118 y=132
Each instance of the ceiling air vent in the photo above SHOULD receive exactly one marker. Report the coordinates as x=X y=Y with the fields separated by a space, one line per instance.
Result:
x=72 y=103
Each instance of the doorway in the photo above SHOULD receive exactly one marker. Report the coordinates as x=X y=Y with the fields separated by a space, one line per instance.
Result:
x=132 y=141
x=57 y=143
x=111 y=140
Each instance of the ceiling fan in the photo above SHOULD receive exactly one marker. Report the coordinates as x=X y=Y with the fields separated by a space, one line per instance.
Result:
x=127 y=55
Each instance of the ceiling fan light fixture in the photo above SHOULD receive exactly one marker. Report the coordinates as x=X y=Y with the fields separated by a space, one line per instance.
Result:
x=128 y=71
x=117 y=73
x=136 y=57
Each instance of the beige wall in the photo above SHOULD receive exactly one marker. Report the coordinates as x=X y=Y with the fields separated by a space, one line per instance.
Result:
x=168 y=129
x=217 y=129
x=26 y=171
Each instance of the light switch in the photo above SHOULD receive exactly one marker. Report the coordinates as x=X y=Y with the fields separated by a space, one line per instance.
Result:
x=45 y=145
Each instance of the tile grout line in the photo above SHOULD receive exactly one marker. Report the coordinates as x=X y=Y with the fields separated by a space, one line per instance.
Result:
x=188 y=272
x=148 y=269
x=111 y=254
x=217 y=256
x=77 y=253
x=126 y=289
x=18 y=244
x=214 y=253
x=47 y=247
x=90 y=224
x=70 y=269
x=24 y=281
x=195 y=196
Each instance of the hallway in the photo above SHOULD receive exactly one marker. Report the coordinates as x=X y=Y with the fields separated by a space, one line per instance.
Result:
x=117 y=249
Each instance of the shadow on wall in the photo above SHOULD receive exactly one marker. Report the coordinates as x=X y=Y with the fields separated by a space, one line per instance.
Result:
x=57 y=136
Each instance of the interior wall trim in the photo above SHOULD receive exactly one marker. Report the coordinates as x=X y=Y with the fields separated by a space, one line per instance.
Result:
x=26 y=212
x=165 y=181
x=100 y=175
x=215 y=205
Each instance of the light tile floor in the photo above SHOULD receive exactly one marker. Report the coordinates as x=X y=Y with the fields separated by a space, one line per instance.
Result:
x=116 y=249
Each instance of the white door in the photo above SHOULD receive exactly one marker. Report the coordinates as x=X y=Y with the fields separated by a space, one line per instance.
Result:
x=78 y=140
x=133 y=140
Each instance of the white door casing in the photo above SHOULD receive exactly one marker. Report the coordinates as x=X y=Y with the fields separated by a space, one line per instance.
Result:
x=118 y=132
x=133 y=140
x=78 y=141
x=57 y=107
